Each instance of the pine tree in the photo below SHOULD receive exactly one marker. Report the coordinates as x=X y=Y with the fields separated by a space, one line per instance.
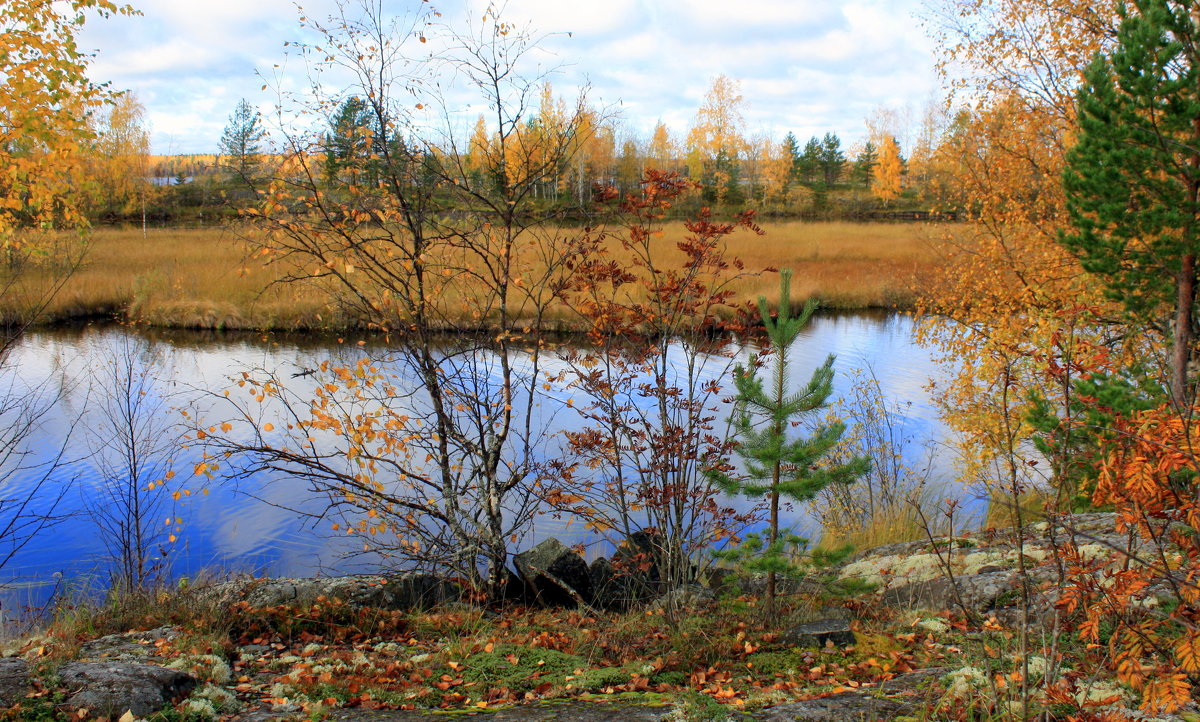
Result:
x=242 y=139
x=777 y=466
x=1132 y=181
x=864 y=165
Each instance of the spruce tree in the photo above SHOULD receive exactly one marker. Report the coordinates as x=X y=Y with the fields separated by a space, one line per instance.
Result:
x=778 y=466
x=348 y=141
x=833 y=160
x=810 y=161
x=791 y=149
x=1132 y=180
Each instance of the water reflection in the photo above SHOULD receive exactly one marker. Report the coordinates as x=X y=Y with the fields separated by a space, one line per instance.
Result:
x=250 y=527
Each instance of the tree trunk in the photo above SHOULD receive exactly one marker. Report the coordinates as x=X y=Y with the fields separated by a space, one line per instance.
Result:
x=1181 y=349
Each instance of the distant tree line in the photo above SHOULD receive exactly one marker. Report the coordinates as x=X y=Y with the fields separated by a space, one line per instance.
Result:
x=731 y=168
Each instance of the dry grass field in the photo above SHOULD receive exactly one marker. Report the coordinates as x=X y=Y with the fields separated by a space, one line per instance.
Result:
x=841 y=264
x=202 y=278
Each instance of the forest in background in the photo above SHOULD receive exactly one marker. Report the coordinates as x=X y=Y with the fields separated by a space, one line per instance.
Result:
x=889 y=176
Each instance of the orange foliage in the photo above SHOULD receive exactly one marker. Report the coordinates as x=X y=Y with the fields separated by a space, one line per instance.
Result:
x=1151 y=476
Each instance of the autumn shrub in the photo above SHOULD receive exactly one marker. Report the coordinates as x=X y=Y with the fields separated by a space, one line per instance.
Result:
x=650 y=423
x=1142 y=604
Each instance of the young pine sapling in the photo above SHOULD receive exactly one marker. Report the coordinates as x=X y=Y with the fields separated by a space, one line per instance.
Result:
x=776 y=465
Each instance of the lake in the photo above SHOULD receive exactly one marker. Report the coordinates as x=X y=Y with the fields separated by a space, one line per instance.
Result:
x=251 y=527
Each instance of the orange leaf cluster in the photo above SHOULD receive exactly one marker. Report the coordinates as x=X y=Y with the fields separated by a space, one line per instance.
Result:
x=1151 y=475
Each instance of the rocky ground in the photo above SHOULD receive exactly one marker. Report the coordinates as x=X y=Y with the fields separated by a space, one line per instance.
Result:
x=932 y=639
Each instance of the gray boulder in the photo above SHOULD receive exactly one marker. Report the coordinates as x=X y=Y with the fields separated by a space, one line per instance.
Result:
x=135 y=647
x=618 y=589
x=690 y=597
x=844 y=707
x=556 y=574
x=979 y=592
x=411 y=590
x=816 y=634
x=632 y=576
x=605 y=585
x=14 y=680
x=109 y=689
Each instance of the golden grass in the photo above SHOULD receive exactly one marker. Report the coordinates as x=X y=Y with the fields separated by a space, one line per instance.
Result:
x=889 y=525
x=1002 y=512
x=180 y=277
x=201 y=278
x=841 y=264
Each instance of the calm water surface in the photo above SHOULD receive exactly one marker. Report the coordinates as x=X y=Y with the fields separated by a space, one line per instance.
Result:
x=252 y=528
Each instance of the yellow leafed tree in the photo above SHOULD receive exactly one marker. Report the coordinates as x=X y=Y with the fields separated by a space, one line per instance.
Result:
x=119 y=162
x=629 y=166
x=1021 y=309
x=775 y=169
x=885 y=174
x=716 y=142
x=661 y=153
x=45 y=101
x=479 y=160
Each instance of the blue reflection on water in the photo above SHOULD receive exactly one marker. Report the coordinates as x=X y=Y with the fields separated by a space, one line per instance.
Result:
x=226 y=530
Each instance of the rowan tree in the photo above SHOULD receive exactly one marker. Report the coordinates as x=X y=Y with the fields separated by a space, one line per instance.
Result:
x=1149 y=475
x=651 y=380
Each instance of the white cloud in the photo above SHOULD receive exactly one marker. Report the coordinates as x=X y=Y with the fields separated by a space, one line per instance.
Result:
x=805 y=64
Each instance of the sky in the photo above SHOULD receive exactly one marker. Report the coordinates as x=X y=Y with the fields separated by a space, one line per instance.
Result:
x=805 y=66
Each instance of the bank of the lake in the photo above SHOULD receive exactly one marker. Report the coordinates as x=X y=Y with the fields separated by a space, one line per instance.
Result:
x=934 y=636
x=204 y=279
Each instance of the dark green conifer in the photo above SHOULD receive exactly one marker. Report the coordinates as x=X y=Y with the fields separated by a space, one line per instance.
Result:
x=777 y=465
x=1132 y=180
